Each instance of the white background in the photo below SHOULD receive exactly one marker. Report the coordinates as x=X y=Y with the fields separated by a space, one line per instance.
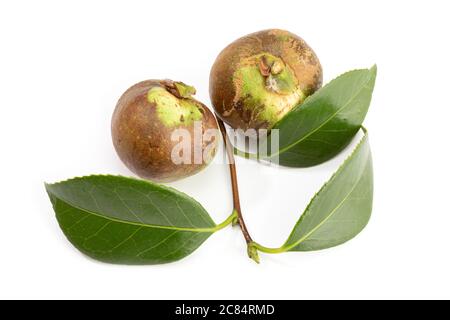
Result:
x=64 y=64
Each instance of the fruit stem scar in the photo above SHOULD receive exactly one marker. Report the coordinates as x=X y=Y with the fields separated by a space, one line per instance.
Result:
x=184 y=90
x=179 y=89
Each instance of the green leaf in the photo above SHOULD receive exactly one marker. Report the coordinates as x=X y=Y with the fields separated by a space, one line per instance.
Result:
x=341 y=209
x=325 y=123
x=127 y=221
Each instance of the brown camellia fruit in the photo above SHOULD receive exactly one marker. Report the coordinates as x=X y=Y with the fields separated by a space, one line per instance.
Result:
x=148 y=122
x=259 y=78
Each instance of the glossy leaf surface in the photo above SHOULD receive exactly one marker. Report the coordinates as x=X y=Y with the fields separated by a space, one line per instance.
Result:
x=127 y=221
x=325 y=123
x=341 y=209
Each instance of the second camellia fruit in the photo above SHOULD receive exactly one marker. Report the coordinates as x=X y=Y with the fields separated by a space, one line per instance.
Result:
x=143 y=124
x=259 y=78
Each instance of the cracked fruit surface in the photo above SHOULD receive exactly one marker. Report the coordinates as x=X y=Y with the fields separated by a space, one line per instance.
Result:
x=259 y=78
x=157 y=120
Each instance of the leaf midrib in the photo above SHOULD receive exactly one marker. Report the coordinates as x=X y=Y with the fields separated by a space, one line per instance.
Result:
x=143 y=225
x=324 y=123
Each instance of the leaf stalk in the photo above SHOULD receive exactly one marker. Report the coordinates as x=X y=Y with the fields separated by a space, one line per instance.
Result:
x=270 y=250
x=227 y=222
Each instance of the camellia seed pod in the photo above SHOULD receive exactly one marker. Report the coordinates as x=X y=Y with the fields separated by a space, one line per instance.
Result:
x=259 y=78
x=161 y=133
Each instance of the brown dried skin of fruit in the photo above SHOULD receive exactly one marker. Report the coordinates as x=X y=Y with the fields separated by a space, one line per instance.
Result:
x=259 y=78
x=143 y=122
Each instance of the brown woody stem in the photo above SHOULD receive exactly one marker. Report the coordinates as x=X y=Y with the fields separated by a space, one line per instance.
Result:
x=234 y=185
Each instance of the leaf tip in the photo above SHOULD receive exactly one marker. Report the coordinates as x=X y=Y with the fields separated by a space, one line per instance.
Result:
x=47 y=186
x=374 y=69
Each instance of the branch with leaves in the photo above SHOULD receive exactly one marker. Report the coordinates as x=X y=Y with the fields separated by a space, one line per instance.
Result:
x=129 y=221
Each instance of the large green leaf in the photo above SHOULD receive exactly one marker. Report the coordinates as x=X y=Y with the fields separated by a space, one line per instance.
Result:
x=325 y=123
x=341 y=209
x=123 y=220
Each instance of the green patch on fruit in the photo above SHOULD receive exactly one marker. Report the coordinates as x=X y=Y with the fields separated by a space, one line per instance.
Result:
x=172 y=111
x=267 y=87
